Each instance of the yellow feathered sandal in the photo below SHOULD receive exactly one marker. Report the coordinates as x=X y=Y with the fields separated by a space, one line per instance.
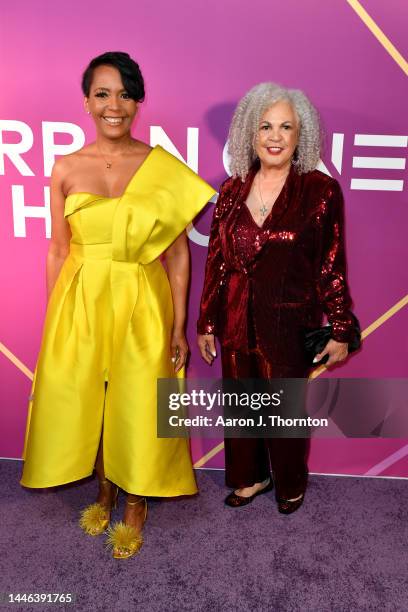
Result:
x=95 y=518
x=124 y=540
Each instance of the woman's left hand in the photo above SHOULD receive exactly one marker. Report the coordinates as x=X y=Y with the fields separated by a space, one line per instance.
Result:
x=179 y=350
x=337 y=351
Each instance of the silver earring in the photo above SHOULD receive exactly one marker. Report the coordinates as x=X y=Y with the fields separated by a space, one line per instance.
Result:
x=295 y=158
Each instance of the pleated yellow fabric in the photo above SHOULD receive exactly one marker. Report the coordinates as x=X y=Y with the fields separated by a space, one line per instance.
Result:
x=109 y=318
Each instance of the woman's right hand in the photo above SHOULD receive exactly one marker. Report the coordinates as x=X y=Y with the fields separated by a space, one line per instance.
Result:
x=206 y=344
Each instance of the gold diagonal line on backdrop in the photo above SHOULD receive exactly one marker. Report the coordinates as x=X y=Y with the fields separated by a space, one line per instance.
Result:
x=369 y=330
x=214 y=451
x=387 y=315
x=379 y=34
x=16 y=361
x=366 y=332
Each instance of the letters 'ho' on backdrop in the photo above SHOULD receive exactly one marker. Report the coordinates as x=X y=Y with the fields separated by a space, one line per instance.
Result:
x=198 y=59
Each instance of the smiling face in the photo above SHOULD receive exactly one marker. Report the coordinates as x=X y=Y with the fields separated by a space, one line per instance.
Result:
x=109 y=103
x=277 y=135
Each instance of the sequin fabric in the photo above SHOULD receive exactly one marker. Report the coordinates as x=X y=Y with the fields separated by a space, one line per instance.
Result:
x=290 y=272
x=247 y=238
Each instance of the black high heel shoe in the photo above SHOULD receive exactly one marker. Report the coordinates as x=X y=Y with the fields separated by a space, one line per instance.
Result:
x=236 y=501
x=286 y=506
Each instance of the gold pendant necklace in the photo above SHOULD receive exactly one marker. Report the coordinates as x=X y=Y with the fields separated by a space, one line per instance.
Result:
x=117 y=157
x=108 y=163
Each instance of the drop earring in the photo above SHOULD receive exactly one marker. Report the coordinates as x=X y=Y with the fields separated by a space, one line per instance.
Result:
x=295 y=159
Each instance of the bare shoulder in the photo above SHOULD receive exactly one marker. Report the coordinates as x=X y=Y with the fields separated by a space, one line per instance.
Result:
x=77 y=163
x=59 y=168
x=141 y=149
x=66 y=163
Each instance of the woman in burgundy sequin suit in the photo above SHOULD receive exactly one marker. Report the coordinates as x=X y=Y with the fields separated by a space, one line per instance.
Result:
x=275 y=265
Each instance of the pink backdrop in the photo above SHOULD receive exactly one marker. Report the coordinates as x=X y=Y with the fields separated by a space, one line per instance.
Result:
x=198 y=59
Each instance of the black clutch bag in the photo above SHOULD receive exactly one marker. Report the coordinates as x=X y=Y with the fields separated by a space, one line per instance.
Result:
x=316 y=339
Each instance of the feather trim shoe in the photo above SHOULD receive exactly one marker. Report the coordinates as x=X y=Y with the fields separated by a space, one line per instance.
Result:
x=94 y=519
x=125 y=540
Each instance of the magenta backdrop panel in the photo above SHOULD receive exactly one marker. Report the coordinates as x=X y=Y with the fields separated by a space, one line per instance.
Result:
x=198 y=59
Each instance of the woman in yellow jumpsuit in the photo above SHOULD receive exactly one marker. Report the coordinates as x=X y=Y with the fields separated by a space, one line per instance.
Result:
x=115 y=316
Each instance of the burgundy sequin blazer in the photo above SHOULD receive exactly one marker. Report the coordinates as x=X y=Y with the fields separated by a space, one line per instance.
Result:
x=297 y=272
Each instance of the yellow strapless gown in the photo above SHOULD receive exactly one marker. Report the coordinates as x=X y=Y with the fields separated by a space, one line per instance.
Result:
x=109 y=318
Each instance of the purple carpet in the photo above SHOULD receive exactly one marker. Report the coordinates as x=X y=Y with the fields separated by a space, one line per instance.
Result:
x=346 y=549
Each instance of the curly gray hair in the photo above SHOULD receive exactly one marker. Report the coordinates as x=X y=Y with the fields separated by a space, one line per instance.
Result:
x=246 y=120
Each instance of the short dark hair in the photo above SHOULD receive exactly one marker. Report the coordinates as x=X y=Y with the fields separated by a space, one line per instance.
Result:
x=129 y=70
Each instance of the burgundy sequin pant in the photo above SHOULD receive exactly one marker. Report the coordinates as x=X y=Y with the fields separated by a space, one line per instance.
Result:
x=250 y=460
